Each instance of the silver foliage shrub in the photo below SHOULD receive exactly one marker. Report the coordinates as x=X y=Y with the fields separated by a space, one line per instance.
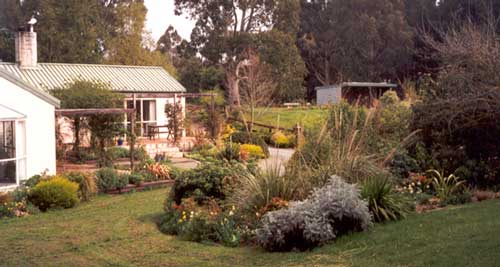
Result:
x=330 y=211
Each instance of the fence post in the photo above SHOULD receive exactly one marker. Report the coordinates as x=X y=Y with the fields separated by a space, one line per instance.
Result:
x=299 y=136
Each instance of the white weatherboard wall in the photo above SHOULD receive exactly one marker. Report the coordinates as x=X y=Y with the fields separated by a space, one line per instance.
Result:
x=40 y=126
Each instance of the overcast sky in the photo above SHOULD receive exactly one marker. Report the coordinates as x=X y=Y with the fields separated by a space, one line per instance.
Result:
x=161 y=14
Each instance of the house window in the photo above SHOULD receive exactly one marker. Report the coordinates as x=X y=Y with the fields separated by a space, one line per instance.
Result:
x=12 y=152
x=145 y=113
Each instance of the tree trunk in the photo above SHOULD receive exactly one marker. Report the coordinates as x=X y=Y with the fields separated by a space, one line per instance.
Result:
x=233 y=89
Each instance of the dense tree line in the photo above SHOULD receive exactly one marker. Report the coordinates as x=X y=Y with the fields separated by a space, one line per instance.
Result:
x=301 y=43
x=82 y=31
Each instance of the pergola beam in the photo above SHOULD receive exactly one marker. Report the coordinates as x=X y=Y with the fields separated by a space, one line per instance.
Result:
x=168 y=95
x=93 y=111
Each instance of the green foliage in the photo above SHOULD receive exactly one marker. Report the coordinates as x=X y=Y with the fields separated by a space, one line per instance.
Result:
x=34 y=180
x=87 y=94
x=198 y=226
x=254 y=191
x=445 y=187
x=287 y=67
x=118 y=153
x=339 y=37
x=175 y=123
x=205 y=181
x=242 y=137
x=136 y=178
x=122 y=181
x=16 y=204
x=107 y=179
x=230 y=152
x=384 y=203
x=57 y=192
x=402 y=164
x=87 y=187
x=459 y=113
x=330 y=211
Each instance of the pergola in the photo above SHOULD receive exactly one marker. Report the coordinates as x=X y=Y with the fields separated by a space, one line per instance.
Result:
x=104 y=111
x=131 y=111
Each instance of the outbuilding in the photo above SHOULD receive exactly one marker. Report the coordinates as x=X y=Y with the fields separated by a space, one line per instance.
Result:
x=27 y=126
x=364 y=93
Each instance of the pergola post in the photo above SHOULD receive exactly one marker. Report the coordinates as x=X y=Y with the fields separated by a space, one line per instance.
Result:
x=132 y=135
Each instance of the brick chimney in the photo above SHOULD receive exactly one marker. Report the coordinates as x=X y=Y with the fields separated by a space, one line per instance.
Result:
x=26 y=48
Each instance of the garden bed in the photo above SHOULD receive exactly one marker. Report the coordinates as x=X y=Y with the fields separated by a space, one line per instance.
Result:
x=143 y=186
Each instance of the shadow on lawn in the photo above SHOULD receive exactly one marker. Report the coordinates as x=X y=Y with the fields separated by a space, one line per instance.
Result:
x=152 y=218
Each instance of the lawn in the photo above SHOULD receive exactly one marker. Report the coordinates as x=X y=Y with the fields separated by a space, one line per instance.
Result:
x=288 y=118
x=121 y=231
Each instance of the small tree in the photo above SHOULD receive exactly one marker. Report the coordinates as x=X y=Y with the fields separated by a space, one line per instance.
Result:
x=256 y=87
x=85 y=95
x=175 y=120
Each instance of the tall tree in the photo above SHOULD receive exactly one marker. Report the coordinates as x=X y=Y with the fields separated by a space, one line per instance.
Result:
x=355 y=40
x=225 y=29
x=68 y=31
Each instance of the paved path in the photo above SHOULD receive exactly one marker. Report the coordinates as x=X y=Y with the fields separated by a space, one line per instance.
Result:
x=277 y=157
x=184 y=163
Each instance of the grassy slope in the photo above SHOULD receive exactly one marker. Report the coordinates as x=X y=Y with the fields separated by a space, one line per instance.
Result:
x=288 y=118
x=120 y=231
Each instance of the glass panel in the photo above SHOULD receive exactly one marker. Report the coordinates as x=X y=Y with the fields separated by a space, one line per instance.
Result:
x=8 y=172
x=130 y=104
x=7 y=140
x=149 y=110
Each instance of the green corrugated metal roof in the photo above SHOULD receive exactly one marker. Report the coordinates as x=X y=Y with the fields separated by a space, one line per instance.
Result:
x=48 y=76
x=11 y=77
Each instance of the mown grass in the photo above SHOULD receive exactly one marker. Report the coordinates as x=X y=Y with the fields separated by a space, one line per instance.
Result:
x=288 y=118
x=121 y=231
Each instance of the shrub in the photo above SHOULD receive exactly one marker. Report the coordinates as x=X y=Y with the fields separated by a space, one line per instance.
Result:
x=118 y=153
x=333 y=210
x=254 y=151
x=206 y=180
x=205 y=223
x=402 y=165
x=384 y=203
x=445 y=187
x=34 y=180
x=279 y=139
x=231 y=151
x=122 y=181
x=107 y=179
x=57 y=192
x=252 y=138
x=254 y=192
x=86 y=184
x=136 y=179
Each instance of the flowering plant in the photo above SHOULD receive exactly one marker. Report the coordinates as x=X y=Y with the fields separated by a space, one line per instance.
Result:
x=417 y=184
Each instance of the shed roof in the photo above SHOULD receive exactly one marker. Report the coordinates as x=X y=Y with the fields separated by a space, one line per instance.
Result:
x=368 y=84
x=47 y=76
x=24 y=85
x=358 y=84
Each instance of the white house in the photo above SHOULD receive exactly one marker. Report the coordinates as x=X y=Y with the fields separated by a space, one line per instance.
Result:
x=27 y=124
x=153 y=87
